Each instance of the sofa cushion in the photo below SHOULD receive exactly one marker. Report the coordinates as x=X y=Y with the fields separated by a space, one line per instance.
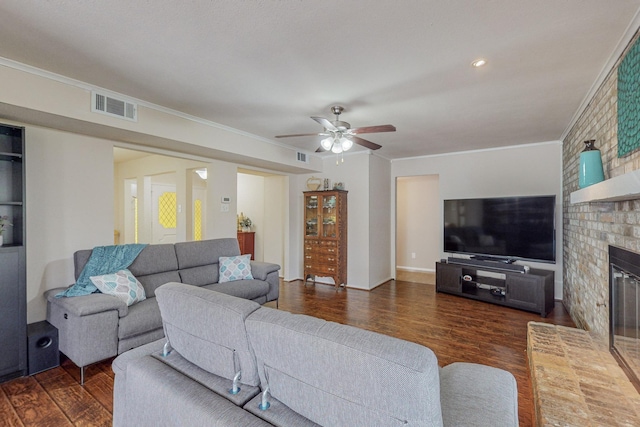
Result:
x=364 y=377
x=203 y=252
x=247 y=289
x=142 y=317
x=122 y=285
x=207 y=328
x=155 y=259
x=151 y=282
x=158 y=395
x=460 y=386
x=199 y=276
x=235 y=268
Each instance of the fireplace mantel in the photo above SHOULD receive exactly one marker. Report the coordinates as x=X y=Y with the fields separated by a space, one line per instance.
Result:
x=616 y=189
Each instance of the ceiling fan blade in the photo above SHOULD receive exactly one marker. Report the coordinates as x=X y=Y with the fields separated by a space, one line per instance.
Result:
x=299 y=134
x=326 y=123
x=368 y=144
x=374 y=129
x=320 y=150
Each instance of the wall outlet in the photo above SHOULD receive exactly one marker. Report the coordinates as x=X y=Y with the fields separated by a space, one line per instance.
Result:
x=224 y=207
x=413 y=255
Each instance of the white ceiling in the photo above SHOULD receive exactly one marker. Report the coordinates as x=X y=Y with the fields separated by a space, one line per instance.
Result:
x=266 y=66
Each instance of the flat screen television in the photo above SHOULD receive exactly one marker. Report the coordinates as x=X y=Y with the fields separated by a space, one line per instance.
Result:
x=502 y=228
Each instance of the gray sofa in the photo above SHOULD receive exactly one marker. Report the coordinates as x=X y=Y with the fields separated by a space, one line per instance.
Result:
x=230 y=362
x=98 y=326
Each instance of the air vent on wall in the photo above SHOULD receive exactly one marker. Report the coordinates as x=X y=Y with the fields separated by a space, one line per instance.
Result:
x=113 y=107
x=302 y=157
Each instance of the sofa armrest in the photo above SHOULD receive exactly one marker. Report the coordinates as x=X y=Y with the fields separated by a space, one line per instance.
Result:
x=87 y=304
x=260 y=270
x=478 y=395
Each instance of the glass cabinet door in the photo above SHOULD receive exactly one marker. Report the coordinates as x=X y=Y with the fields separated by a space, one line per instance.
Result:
x=311 y=216
x=329 y=210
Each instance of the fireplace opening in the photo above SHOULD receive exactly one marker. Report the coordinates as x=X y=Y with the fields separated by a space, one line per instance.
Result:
x=624 y=311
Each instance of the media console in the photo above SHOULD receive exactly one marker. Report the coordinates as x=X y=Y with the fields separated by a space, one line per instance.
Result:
x=503 y=284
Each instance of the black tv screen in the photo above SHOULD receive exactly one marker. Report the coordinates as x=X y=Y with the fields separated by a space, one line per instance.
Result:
x=504 y=227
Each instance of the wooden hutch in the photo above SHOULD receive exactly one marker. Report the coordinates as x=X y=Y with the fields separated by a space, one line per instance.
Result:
x=325 y=235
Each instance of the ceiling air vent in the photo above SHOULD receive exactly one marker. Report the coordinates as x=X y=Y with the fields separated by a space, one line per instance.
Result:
x=113 y=107
x=302 y=157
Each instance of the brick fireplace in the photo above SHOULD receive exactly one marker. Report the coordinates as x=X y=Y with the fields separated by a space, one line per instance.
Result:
x=590 y=227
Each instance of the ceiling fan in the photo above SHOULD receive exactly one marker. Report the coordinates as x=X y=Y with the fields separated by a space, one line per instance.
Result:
x=340 y=135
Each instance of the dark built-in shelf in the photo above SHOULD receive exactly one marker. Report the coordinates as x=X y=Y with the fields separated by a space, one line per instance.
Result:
x=13 y=317
x=10 y=156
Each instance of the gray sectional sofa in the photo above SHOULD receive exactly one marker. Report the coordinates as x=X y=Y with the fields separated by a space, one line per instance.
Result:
x=230 y=362
x=98 y=326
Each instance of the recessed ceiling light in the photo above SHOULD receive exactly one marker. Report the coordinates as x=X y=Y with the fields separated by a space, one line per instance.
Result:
x=479 y=63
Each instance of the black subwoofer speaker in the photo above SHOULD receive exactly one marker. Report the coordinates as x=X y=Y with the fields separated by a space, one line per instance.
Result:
x=42 y=347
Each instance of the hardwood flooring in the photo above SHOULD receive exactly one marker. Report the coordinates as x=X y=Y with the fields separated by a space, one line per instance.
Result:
x=455 y=328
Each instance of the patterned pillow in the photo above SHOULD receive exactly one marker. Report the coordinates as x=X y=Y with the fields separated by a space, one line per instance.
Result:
x=122 y=285
x=235 y=268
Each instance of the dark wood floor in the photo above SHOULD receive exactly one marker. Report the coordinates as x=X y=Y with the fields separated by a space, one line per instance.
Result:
x=456 y=329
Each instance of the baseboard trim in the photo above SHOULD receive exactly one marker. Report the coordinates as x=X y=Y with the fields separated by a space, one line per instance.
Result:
x=426 y=277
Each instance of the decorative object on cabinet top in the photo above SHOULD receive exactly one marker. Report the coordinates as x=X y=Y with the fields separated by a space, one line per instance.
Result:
x=244 y=222
x=313 y=183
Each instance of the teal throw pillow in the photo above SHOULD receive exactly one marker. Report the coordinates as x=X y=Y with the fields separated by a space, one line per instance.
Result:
x=235 y=268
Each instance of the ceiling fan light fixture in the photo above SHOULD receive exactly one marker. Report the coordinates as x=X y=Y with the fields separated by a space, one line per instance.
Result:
x=346 y=143
x=337 y=147
x=327 y=143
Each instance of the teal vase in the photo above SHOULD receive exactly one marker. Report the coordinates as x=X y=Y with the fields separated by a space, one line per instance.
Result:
x=591 y=171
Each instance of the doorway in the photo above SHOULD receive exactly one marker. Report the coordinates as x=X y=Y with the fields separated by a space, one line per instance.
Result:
x=263 y=197
x=418 y=227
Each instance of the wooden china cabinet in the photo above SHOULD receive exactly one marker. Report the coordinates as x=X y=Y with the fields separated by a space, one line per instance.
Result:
x=325 y=235
x=247 y=243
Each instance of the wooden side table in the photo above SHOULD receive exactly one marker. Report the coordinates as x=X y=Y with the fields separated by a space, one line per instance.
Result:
x=247 y=240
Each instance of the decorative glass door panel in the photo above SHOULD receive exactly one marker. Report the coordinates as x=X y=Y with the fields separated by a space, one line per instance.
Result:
x=329 y=210
x=311 y=216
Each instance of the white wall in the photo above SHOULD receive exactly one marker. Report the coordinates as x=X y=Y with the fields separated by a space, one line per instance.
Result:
x=294 y=228
x=380 y=207
x=222 y=181
x=418 y=222
x=69 y=206
x=275 y=220
x=534 y=169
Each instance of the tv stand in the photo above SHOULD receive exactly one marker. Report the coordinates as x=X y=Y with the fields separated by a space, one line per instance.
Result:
x=532 y=291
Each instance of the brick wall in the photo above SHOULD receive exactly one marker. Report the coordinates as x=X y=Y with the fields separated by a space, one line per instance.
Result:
x=589 y=228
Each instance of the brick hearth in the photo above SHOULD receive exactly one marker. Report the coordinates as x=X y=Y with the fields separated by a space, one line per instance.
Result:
x=576 y=381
